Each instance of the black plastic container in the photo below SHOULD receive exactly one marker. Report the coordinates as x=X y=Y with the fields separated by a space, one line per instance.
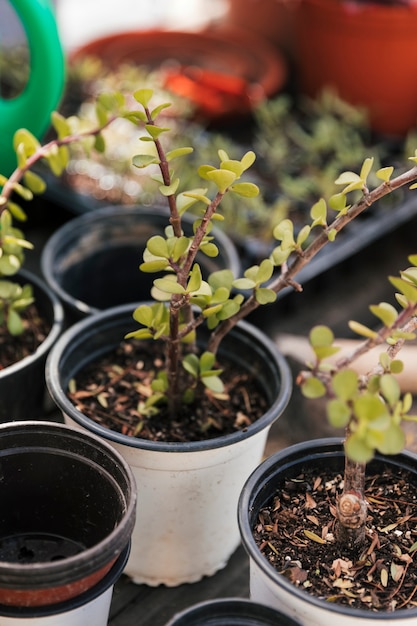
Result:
x=92 y=261
x=68 y=511
x=22 y=385
x=230 y=612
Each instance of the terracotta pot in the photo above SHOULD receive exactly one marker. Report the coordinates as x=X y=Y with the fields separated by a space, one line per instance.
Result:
x=90 y=608
x=187 y=491
x=270 y=587
x=28 y=374
x=269 y=19
x=68 y=510
x=224 y=71
x=367 y=52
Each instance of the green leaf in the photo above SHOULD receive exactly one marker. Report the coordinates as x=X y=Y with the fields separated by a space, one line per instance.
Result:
x=366 y=168
x=265 y=296
x=248 y=160
x=233 y=166
x=161 y=107
x=60 y=124
x=321 y=336
x=369 y=407
x=213 y=383
x=169 y=190
x=393 y=440
x=205 y=170
x=313 y=388
x=318 y=213
x=244 y=283
x=178 y=152
x=14 y=323
x=17 y=211
x=143 y=96
x=191 y=364
x=195 y=279
x=209 y=249
x=143 y=160
x=207 y=360
x=408 y=290
x=390 y=388
x=222 y=179
x=34 y=182
x=385 y=312
x=362 y=330
x=345 y=384
x=158 y=246
x=221 y=278
x=155 y=131
x=338 y=413
x=143 y=314
x=169 y=284
x=246 y=190
x=385 y=173
x=358 y=450
x=27 y=140
x=149 y=267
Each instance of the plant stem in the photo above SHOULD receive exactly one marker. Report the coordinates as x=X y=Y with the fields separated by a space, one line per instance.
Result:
x=303 y=258
x=42 y=152
x=351 y=506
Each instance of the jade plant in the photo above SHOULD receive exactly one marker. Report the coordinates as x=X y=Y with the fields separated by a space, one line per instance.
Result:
x=370 y=407
x=183 y=299
x=24 y=183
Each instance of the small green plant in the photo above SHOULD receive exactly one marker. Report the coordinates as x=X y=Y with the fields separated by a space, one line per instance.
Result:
x=370 y=408
x=24 y=183
x=183 y=299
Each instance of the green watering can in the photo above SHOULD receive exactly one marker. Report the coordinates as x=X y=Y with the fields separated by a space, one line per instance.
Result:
x=32 y=108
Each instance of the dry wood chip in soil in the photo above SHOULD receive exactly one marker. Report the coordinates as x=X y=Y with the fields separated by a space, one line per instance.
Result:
x=111 y=391
x=296 y=531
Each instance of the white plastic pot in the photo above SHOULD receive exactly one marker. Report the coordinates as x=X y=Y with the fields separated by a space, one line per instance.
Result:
x=267 y=585
x=187 y=492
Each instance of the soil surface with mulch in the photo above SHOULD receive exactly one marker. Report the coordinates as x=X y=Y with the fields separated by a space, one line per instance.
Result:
x=14 y=349
x=111 y=390
x=296 y=533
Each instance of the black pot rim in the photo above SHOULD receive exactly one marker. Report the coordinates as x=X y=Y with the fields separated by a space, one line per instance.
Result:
x=61 y=400
x=74 y=603
x=81 y=222
x=56 y=327
x=257 y=481
x=39 y=576
x=247 y=611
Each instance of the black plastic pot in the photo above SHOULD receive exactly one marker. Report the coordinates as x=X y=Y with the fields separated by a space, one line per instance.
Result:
x=22 y=385
x=230 y=612
x=68 y=510
x=267 y=585
x=92 y=262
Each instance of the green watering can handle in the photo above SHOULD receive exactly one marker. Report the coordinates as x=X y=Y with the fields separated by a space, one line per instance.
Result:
x=32 y=108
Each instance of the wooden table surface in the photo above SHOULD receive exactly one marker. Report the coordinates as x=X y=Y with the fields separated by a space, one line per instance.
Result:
x=332 y=298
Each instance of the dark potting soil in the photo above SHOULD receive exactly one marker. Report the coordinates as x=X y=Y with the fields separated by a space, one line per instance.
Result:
x=110 y=391
x=296 y=531
x=14 y=349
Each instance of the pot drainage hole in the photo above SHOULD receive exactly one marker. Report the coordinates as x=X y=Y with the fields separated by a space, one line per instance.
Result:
x=37 y=548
